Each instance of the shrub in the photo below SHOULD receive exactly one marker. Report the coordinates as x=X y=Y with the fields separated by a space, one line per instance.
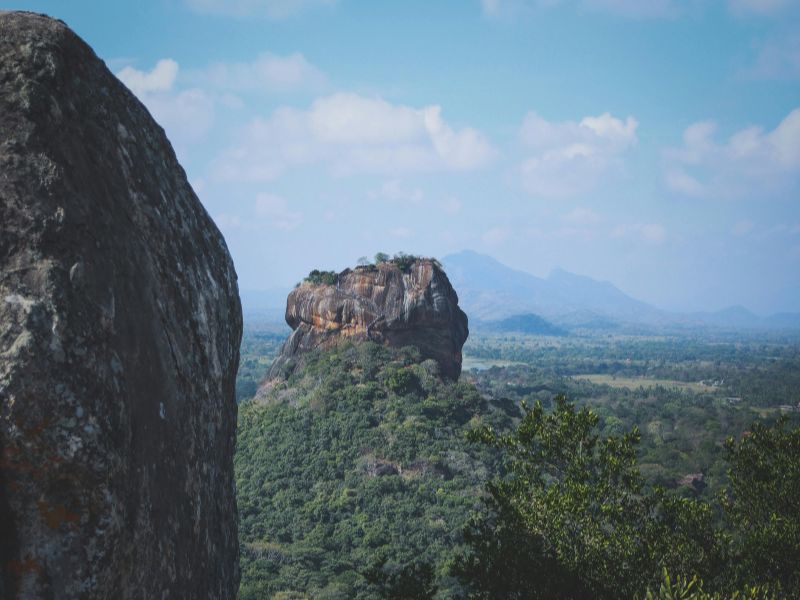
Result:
x=322 y=277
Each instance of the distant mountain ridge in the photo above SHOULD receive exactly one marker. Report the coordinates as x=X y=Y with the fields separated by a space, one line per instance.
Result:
x=525 y=323
x=488 y=290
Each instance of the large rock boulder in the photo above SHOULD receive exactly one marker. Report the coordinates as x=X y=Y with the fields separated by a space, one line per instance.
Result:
x=389 y=303
x=119 y=341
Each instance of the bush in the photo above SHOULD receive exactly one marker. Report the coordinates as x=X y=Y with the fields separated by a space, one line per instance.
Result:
x=322 y=277
x=572 y=518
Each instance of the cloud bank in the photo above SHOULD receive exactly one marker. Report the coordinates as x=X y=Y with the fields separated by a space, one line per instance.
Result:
x=570 y=158
x=351 y=134
x=750 y=162
x=272 y=9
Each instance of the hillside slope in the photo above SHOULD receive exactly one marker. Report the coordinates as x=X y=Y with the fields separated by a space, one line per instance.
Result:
x=355 y=473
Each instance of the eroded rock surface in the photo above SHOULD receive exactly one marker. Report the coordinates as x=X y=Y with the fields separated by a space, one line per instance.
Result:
x=383 y=303
x=119 y=341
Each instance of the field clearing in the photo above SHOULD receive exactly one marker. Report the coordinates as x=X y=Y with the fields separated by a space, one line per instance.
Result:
x=482 y=364
x=768 y=412
x=633 y=383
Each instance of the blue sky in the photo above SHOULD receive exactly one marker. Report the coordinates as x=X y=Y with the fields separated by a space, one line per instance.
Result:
x=652 y=143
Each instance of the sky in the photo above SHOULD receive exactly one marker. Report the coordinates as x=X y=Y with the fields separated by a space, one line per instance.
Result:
x=651 y=143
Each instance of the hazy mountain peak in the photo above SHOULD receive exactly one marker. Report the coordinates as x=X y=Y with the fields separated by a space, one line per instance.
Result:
x=737 y=310
x=491 y=290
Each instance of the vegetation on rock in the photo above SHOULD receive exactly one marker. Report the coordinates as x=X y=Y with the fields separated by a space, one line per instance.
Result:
x=355 y=478
x=380 y=304
x=322 y=277
x=355 y=473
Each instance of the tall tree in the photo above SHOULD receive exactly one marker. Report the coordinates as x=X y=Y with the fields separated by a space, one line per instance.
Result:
x=572 y=518
x=763 y=506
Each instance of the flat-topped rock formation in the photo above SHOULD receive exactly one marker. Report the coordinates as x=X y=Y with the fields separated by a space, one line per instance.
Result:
x=392 y=304
x=119 y=341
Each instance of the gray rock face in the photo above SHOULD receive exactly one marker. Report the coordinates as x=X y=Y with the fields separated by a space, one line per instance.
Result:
x=380 y=303
x=119 y=341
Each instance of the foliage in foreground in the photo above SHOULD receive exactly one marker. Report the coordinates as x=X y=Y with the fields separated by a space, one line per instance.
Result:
x=576 y=503
x=763 y=506
x=323 y=516
x=572 y=518
x=681 y=588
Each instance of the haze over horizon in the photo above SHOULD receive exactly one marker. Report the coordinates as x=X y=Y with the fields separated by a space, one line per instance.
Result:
x=654 y=144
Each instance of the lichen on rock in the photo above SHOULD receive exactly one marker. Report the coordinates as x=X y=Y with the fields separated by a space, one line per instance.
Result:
x=120 y=326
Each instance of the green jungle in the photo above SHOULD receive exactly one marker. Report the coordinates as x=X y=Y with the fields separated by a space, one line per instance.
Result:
x=581 y=466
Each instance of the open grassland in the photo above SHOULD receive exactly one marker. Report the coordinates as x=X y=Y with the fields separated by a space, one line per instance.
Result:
x=480 y=364
x=634 y=383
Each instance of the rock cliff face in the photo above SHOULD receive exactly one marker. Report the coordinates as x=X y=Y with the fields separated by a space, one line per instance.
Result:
x=381 y=303
x=119 y=333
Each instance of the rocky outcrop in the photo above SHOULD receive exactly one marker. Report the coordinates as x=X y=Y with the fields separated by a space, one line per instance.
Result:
x=412 y=306
x=119 y=333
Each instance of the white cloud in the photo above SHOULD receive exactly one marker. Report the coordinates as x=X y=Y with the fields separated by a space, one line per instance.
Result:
x=228 y=222
x=762 y=7
x=186 y=115
x=495 y=236
x=494 y=8
x=231 y=101
x=651 y=233
x=750 y=161
x=490 y=7
x=352 y=133
x=452 y=206
x=682 y=182
x=776 y=58
x=463 y=149
x=276 y=210
x=160 y=79
x=394 y=191
x=269 y=212
x=635 y=9
x=401 y=232
x=579 y=232
x=591 y=132
x=782 y=229
x=582 y=216
x=353 y=119
x=743 y=227
x=272 y=9
x=571 y=157
x=268 y=72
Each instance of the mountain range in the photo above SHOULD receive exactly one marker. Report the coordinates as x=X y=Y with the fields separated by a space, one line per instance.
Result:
x=490 y=291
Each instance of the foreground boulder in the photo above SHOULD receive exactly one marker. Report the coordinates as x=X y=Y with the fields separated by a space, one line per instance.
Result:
x=119 y=333
x=396 y=304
